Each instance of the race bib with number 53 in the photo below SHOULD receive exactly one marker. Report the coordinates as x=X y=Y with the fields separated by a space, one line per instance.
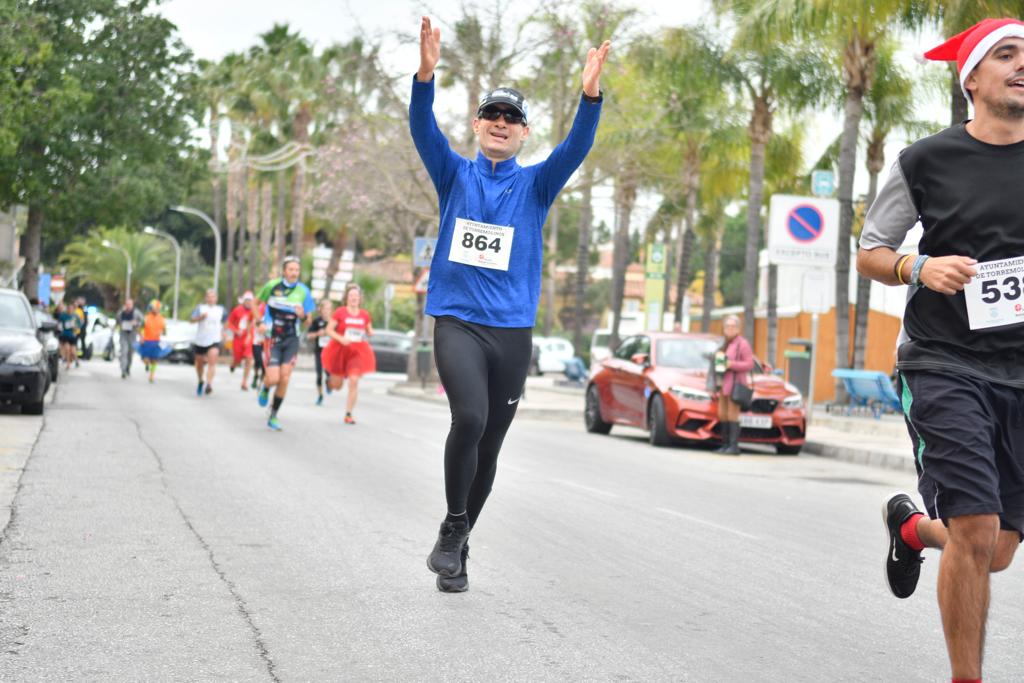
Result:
x=481 y=244
x=995 y=297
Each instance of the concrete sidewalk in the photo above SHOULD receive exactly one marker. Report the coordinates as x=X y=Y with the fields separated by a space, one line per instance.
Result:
x=857 y=439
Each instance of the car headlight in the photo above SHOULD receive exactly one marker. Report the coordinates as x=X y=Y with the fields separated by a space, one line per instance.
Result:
x=793 y=401
x=26 y=357
x=690 y=394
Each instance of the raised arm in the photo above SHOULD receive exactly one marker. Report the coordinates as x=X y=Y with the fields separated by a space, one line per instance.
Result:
x=431 y=144
x=570 y=153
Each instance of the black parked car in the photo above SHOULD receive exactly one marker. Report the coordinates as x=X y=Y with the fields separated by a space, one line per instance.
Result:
x=48 y=335
x=24 y=374
x=392 y=350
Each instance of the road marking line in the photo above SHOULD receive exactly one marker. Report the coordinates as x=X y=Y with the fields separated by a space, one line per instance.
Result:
x=581 y=487
x=698 y=520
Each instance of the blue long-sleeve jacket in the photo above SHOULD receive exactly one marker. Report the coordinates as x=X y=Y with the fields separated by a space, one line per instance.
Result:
x=506 y=195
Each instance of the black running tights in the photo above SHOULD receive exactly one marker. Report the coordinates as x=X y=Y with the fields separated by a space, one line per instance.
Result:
x=483 y=370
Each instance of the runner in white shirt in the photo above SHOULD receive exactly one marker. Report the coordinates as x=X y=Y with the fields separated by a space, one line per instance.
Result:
x=210 y=319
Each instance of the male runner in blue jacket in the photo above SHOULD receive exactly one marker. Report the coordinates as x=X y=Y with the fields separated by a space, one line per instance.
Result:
x=485 y=278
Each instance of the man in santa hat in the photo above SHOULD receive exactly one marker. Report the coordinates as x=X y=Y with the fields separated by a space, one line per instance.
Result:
x=961 y=354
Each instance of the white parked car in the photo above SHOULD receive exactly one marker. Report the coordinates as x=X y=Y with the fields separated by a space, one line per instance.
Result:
x=553 y=352
x=599 y=346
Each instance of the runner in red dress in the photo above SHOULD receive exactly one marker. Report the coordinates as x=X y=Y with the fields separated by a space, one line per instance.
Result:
x=349 y=354
x=240 y=322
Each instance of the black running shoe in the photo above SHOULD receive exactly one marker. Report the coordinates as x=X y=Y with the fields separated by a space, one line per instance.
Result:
x=446 y=558
x=458 y=583
x=902 y=563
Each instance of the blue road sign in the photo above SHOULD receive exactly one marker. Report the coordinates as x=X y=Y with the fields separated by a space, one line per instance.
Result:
x=805 y=223
x=823 y=183
x=423 y=251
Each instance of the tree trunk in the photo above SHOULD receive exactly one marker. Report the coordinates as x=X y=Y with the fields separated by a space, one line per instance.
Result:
x=876 y=160
x=711 y=251
x=625 y=198
x=760 y=130
x=859 y=65
x=230 y=225
x=31 y=249
x=957 y=101
x=266 y=228
x=302 y=119
x=218 y=198
x=552 y=274
x=583 y=255
x=281 y=224
x=692 y=184
x=772 y=314
x=252 y=225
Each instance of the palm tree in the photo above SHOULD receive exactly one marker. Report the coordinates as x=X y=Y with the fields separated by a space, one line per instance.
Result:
x=855 y=28
x=693 y=108
x=773 y=77
x=557 y=85
x=889 y=107
x=151 y=258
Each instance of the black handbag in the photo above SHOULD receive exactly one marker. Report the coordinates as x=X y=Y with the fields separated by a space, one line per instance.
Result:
x=742 y=395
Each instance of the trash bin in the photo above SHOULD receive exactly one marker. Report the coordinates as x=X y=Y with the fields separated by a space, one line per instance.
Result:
x=798 y=364
x=423 y=352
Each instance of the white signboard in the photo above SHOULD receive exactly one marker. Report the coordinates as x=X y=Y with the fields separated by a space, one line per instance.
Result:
x=803 y=230
x=816 y=291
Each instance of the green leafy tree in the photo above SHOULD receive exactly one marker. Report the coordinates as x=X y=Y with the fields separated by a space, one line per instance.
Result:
x=107 y=139
x=853 y=30
x=89 y=261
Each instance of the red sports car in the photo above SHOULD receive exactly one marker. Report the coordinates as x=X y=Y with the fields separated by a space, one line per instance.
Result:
x=658 y=381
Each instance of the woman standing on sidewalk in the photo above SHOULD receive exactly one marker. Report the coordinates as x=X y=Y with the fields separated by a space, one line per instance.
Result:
x=733 y=363
x=349 y=354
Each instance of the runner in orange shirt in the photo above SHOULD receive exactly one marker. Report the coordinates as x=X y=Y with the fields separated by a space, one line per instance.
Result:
x=153 y=327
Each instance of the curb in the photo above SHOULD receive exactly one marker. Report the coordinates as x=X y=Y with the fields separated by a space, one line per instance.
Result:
x=525 y=412
x=860 y=456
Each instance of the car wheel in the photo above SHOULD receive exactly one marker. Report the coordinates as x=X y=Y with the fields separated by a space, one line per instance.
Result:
x=659 y=435
x=783 y=449
x=32 y=408
x=592 y=413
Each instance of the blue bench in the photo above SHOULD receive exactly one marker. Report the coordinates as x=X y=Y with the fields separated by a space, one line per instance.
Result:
x=869 y=389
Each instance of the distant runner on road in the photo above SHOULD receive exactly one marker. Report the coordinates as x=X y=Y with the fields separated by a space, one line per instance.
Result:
x=485 y=277
x=348 y=355
x=961 y=355
x=210 y=332
x=153 y=327
x=129 y=321
x=317 y=335
x=241 y=325
x=288 y=303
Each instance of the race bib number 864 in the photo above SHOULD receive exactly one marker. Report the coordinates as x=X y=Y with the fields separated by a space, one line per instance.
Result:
x=995 y=297
x=481 y=244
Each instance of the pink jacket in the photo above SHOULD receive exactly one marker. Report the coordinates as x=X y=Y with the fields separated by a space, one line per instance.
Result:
x=741 y=362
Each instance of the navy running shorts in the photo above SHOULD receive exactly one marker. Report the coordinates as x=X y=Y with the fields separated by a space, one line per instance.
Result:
x=968 y=439
x=283 y=351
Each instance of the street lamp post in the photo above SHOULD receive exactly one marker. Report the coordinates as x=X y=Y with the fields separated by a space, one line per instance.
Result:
x=150 y=230
x=128 y=270
x=216 y=240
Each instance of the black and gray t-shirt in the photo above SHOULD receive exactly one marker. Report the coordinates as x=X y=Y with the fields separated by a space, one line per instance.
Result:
x=969 y=197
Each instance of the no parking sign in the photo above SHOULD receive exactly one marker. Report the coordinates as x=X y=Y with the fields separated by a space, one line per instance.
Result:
x=803 y=230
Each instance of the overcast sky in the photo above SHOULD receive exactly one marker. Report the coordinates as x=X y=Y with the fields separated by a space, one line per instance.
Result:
x=213 y=28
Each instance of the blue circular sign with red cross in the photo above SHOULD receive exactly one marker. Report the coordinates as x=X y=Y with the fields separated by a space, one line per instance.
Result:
x=805 y=223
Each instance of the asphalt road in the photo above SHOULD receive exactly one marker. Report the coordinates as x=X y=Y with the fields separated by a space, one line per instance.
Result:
x=160 y=536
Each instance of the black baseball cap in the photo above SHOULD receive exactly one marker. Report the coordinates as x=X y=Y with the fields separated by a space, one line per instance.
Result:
x=509 y=96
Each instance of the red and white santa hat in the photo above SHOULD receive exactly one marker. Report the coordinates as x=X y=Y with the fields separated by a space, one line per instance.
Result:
x=971 y=46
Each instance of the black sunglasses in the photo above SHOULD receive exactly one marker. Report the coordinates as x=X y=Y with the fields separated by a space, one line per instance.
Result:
x=493 y=114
